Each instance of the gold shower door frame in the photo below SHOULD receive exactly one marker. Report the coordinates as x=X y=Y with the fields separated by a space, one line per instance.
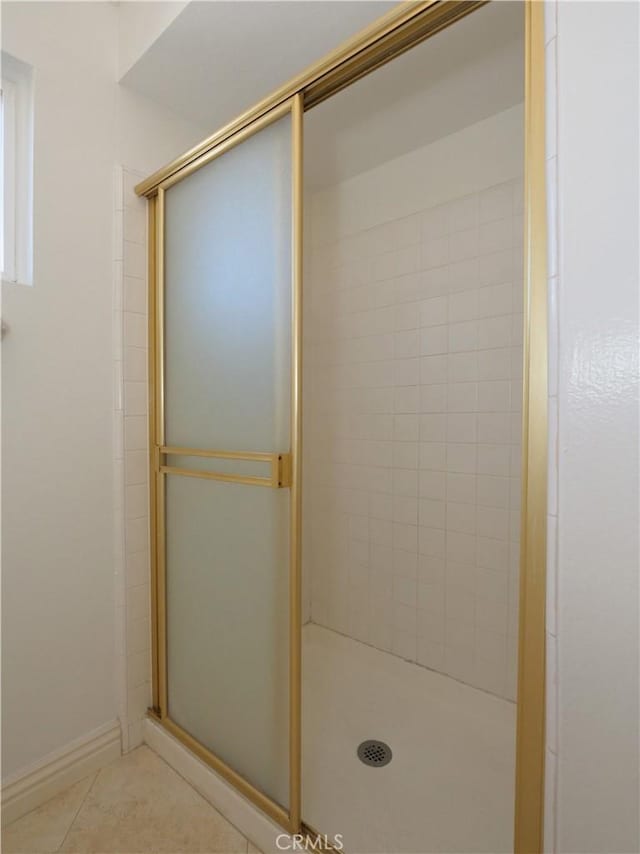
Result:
x=284 y=467
x=388 y=37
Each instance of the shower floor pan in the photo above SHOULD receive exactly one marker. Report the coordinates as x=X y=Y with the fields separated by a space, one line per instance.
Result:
x=450 y=786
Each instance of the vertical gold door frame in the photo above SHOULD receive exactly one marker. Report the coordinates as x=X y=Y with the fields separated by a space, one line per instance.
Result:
x=530 y=740
x=289 y=818
x=394 y=33
x=295 y=559
x=153 y=444
x=157 y=477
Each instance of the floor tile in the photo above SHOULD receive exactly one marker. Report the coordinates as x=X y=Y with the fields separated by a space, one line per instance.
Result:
x=139 y=805
x=43 y=830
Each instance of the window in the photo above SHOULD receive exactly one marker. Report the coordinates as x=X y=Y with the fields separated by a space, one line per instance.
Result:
x=16 y=171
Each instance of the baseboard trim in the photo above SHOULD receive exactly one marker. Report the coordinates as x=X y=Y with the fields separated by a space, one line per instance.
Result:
x=249 y=820
x=26 y=790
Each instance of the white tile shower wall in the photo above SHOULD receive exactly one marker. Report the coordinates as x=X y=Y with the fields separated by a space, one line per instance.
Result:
x=413 y=349
x=118 y=466
x=132 y=535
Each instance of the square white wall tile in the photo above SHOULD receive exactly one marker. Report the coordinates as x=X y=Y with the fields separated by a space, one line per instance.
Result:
x=131 y=446
x=430 y=331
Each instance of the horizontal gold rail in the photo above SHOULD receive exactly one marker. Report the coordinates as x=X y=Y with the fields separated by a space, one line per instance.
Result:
x=252 y=456
x=372 y=35
x=406 y=25
x=279 y=478
x=217 y=475
x=406 y=35
x=227 y=144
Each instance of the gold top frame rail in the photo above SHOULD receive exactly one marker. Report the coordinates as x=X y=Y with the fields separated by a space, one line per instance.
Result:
x=279 y=478
x=391 y=35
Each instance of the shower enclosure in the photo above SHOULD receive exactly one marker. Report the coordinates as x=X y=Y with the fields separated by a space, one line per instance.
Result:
x=226 y=341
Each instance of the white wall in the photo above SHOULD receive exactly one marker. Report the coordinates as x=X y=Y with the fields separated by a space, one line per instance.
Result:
x=57 y=582
x=593 y=720
x=551 y=152
x=140 y=24
x=58 y=517
x=147 y=135
x=413 y=355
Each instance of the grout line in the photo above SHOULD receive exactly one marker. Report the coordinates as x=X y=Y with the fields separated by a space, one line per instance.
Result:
x=440 y=673
x=77 y=812
x=195 y=789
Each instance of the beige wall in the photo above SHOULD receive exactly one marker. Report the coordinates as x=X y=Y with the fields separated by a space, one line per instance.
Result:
x=58 y=674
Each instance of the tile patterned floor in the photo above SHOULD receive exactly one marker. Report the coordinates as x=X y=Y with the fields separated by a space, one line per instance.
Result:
x=136 y=805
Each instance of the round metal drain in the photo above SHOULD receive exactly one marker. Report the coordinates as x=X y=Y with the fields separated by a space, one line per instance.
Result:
x=375 y=753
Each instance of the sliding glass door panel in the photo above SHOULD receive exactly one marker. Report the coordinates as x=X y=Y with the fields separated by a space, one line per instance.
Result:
x=226 y=435
x=228 y=624
x=227 y=334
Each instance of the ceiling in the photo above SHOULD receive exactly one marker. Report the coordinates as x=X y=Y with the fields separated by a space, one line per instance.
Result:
x=466 y=73
x=217 y=59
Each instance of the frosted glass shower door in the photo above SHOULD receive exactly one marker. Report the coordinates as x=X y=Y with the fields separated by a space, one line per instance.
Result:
x=227 y=449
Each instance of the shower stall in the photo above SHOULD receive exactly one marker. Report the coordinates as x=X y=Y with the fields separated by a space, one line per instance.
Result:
x=347 y=375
